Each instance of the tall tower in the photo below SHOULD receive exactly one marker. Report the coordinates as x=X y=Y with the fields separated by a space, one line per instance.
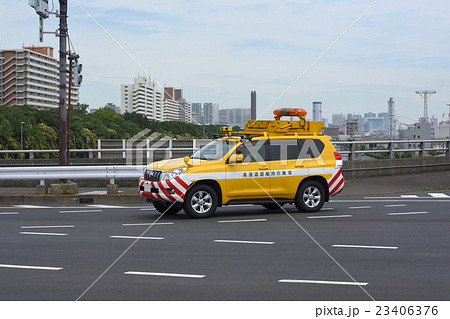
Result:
x=391 y=118
x=317 y=111
x=253 y=105
x=425 y=94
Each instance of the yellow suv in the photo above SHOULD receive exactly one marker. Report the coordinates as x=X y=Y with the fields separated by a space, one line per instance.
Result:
x=270 y=163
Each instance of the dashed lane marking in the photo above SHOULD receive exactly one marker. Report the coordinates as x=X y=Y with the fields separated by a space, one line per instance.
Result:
x=137 y=237
x=31 y=206
x=243 y=242
x=9 y=213
x=55 y=226
x=361 y=246
x=407 y=213
x=299 y=281
x=331 y=216
x=29 y=267
x=163 y=274
x=360 y=207
x=80 y=211
x=409 y=196
x=42 y=234
x=396 y=205
x=106 y=206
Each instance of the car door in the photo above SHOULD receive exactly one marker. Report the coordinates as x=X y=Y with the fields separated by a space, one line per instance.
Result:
x=250 y=178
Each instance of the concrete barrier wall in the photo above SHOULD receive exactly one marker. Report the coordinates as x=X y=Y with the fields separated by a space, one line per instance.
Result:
x=387 y=167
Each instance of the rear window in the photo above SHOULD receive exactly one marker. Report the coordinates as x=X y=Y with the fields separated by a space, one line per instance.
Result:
x=290 y=149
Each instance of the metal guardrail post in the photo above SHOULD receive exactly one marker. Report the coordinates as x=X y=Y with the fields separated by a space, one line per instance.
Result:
x=99 y=146
x=31 y=155
x=124 y=147
x=170 y=149
x=391 y=154
x=351 y=155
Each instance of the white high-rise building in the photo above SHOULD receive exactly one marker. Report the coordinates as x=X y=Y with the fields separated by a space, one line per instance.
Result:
x=185 y=111
x=196 y=113
x=143 y=98
x=317 y=111
x=30 y=76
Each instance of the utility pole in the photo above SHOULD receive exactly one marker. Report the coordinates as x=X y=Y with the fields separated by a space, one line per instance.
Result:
x=62 y=83
x=425 y=94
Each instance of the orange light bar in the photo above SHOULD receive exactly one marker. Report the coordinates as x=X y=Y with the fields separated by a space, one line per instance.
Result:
x=289 y=112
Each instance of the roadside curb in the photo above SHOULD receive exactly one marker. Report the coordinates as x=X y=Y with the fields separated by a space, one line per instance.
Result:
x=37 y=199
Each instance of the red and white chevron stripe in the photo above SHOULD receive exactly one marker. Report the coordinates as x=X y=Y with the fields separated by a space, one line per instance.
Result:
x=336 y=183
x=179 y=185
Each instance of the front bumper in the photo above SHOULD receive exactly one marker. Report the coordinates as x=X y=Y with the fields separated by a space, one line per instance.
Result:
x=169 y=190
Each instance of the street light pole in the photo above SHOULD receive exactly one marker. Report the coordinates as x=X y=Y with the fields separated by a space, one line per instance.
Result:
x=21 y=138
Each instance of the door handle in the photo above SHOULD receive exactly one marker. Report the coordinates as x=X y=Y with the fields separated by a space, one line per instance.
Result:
x=265 y=167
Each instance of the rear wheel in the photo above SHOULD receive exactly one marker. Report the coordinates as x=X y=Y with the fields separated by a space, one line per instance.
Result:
x=310 y=197
x=201 y=201
x=167 y=208
x=272 y=206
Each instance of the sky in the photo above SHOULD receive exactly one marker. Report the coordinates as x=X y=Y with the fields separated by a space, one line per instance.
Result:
x=220 y=50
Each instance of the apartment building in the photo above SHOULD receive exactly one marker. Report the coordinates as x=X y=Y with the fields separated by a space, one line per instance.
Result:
x=143 y=98
x=30 y=76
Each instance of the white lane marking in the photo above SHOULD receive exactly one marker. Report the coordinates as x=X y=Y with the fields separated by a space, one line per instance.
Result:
x=360 y=207
x=350 y=283
x=242 y=220
x=9 y=213
x=31 y=206
x=80 y=211
x=162 y=274
x=327 y=208
x=136 y=237
x=396 y=205
x=330 y=216
x=243 y=242
x=29 y=267
x=438 y=195
x=106 y=206
x=409 y=196
x=369 y=247
x=147 y=209
x=42 y=234
x=35 y=227
x=407 y=213
x=148 y=224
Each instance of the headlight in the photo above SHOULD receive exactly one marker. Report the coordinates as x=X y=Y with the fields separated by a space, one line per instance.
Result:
x=173 y=173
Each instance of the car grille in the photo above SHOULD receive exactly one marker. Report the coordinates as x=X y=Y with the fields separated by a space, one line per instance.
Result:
x=152 y=175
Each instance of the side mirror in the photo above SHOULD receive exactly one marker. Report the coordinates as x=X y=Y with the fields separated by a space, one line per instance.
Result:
x=236 y=158
x=186 y=161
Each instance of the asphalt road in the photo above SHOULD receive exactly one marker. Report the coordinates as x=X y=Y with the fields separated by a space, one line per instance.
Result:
x=381 y=248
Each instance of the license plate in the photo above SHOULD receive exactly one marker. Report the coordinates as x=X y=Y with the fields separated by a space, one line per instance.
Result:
x=147 y=188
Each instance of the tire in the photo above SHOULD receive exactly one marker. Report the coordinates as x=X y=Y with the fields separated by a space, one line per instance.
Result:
x=201 y=201
x=163 y=208
x=310 y=197
x=272 y=206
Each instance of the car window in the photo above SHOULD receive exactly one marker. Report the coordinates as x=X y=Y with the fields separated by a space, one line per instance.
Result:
x=290 y=149
x=253 y=151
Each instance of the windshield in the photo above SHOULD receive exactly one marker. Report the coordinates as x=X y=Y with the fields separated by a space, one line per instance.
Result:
x=214 y=150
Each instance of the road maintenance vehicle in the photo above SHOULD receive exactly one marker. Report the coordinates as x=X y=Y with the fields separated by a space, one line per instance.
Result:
x=270 y=163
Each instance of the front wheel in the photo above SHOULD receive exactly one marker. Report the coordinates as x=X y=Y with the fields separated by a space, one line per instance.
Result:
x=201 y=201
x=310 y=197
x=166 y=208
